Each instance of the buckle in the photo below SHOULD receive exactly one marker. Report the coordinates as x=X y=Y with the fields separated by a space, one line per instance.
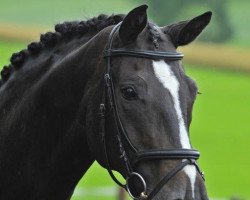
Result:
x=102 y=110
x=107 y=53
x=143 y=194
x=107 y=80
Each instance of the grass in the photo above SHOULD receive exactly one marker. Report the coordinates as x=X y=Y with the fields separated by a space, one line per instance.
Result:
x=6 y=50
x=220 y=130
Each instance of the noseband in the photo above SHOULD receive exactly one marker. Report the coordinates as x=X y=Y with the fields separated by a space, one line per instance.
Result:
x=188 y=156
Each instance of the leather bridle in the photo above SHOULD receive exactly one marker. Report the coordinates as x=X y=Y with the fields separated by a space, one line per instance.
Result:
x=188 y=156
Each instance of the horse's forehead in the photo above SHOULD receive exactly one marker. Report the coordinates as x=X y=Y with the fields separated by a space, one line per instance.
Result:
x=146 y=68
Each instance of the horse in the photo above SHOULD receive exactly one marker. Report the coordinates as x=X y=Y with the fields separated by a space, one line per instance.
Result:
x=111 y=89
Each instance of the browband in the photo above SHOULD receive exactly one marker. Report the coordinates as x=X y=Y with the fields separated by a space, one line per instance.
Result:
x=143 y=54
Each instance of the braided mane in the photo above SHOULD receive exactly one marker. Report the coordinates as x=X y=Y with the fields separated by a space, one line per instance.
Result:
x=66 y=30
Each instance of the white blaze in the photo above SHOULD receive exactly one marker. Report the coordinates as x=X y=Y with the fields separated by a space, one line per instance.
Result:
x=166 y=76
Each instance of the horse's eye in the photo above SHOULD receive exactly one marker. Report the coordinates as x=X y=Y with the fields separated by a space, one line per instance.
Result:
x=129 y=93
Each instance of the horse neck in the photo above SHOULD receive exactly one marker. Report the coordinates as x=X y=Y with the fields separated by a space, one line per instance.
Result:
x=50 y=153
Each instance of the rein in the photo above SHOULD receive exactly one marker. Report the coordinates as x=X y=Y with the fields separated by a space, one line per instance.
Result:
x=188 y=156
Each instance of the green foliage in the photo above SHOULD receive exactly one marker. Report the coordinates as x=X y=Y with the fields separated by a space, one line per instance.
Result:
x=166 y=12
x=48 y=12
x=230 y=21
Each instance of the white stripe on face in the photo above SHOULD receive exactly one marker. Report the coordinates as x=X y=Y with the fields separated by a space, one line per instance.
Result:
x=166 y=76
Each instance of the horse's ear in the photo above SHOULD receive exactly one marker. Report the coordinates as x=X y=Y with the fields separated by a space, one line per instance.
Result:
x=185 y=32
x=133 y=24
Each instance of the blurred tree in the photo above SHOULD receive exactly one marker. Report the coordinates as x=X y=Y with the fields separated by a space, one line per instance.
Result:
x=165 y=12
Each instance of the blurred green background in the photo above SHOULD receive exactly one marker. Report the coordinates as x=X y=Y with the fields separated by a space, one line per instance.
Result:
x=221 y=118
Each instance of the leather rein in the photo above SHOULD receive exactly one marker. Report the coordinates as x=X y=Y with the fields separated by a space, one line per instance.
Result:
x=188 y=156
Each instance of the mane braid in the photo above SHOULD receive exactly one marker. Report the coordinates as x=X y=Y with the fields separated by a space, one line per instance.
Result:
x=154 y=35
x=66 y=30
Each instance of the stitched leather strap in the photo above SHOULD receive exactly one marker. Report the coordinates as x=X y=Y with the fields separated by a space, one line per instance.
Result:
x=143 y=54
x=166 y=154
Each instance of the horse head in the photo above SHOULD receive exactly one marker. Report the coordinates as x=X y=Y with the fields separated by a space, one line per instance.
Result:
x=140 y=111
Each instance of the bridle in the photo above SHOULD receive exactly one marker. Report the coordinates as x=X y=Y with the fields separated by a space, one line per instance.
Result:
x=188 y=156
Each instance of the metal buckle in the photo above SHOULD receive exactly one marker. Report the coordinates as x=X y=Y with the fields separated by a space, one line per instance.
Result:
x=102 y=110
x=107 y=80
x=143 y=194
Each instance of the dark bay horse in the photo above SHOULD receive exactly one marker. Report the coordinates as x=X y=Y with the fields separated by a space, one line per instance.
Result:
x=111 y=89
